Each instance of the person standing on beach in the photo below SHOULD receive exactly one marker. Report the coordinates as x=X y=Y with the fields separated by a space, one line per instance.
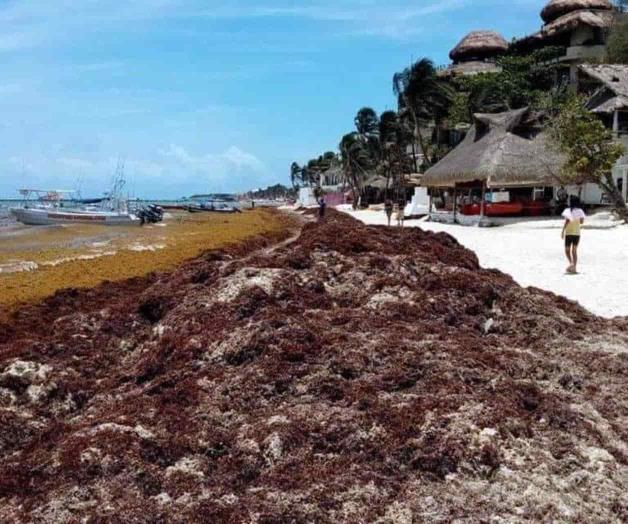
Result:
x=574 y=218
x=322 y=205
x=401 y=214
x=388 y=209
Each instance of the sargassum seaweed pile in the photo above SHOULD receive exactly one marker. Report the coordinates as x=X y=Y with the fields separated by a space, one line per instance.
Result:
x=355 y=374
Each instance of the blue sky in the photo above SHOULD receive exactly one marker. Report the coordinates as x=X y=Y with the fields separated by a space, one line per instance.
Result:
x=207 y=95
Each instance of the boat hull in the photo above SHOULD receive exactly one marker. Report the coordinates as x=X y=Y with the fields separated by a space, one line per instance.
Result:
x=215 y=210
x=505 y=209
x=45 y=217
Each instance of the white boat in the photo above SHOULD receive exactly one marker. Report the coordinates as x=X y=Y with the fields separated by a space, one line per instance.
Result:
x=42 y=216
x=49 y=208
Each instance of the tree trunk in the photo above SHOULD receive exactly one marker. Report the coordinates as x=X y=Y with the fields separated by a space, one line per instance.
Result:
x=416 y=167
x=419 y=137
x=609 y=186
x=354 y=191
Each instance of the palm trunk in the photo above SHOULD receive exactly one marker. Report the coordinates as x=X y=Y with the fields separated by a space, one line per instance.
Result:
x=419 y=137
x=416 y=167
x=388 y=173
x=354 y=188
x=609 y=186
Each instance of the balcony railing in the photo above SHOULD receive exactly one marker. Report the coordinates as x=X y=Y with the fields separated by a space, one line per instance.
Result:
x=582 y=52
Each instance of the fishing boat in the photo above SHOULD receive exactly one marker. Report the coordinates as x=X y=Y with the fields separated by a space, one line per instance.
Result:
x=213 y=209
x=42 y=216
x=213 y=204
x=45 y=207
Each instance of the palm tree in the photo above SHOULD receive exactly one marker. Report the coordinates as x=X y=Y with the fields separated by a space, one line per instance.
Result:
x=356 y=163
x=388 y=141
x=367 y=125
x=367 y=122
x=394 y=140
x=296 y=175
x=422 y=95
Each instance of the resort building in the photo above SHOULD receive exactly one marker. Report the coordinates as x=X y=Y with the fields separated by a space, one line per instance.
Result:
x=607 y=89
x=580 y=27
x=505 y=166
x=332 y=179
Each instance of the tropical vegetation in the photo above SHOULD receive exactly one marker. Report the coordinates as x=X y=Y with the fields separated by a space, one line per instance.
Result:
x=589 y=149
x=275 y=192
x=618 y=42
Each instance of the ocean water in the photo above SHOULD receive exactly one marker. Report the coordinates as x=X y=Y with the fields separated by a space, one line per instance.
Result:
x=5 y=218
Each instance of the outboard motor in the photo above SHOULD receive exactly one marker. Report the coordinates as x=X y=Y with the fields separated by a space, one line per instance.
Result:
x=150 y=214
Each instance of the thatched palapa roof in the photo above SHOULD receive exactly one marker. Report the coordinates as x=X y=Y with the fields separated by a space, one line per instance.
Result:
x=479 y=45
x=378 y=182
x=568 y=23
x=557 y=8
x=571 y=21
x=497 y=150
x=614 y=92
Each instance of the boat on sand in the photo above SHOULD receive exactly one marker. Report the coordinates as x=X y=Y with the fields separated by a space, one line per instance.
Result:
x=50 y=208
x=41 y=216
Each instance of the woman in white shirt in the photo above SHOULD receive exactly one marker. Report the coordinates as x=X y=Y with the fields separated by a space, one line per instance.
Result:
x=574 y=218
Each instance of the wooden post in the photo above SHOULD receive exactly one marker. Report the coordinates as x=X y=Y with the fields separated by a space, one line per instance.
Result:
x=429 y=192
x=482 y=203
x=616 y=123
x=455 y=200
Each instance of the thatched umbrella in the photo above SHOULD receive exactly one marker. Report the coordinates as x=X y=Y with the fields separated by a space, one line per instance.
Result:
x=497 y=152
x=557 y=8
x=479 y=45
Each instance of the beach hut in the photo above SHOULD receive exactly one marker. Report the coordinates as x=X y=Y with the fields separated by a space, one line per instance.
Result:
x=476 y=53
x=504 y=166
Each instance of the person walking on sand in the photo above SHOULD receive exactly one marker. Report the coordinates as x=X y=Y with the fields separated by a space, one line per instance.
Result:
x=388 y=209
x=574 y=218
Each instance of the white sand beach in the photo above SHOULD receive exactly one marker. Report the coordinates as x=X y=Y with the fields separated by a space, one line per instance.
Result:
x=532 y=253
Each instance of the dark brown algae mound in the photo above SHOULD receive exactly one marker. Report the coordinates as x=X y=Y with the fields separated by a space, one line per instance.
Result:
x=356 y=374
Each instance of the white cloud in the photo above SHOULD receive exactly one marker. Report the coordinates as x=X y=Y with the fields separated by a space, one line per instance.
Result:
x=232 y=158
x=39 y=21
x=242 y=160
x=171 y=172
x=394 y=20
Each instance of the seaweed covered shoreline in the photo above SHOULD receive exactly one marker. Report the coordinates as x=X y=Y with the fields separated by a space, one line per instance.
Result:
x=354 y=374
x=36 y=261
